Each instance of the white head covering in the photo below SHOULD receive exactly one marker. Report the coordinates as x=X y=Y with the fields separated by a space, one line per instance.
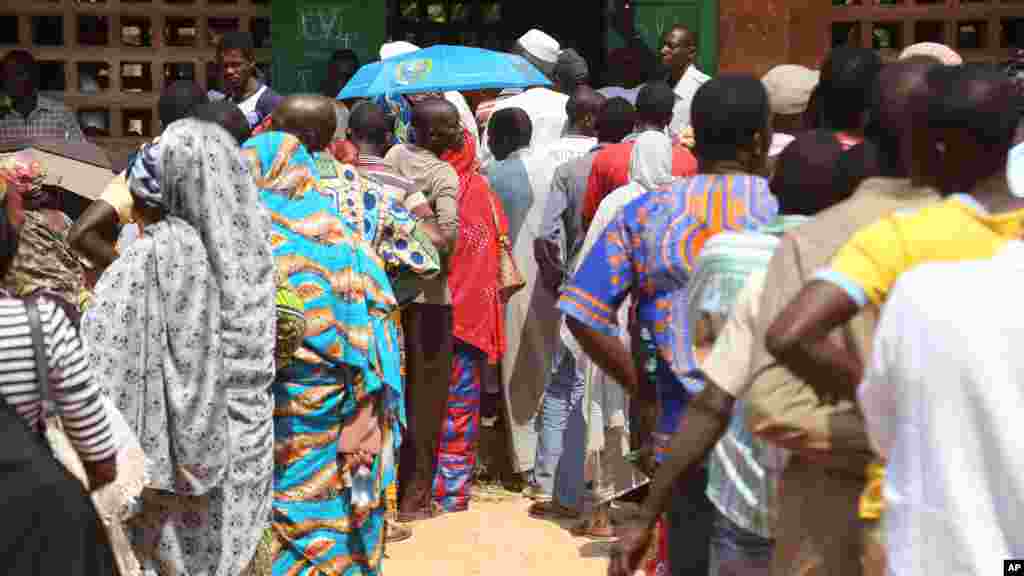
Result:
x=944 y=53
x=650 y=165
x=540 y=46
x=392 y=49
x=789 y=88
x=1015 y=170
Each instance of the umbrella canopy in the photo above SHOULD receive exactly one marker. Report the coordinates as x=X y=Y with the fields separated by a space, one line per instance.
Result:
x=81 y=167
x=443 y=68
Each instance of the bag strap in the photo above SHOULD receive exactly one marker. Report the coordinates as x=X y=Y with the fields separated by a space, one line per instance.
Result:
x=42 y=367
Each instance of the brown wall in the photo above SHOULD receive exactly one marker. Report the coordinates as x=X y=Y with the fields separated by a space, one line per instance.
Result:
x=755 y=35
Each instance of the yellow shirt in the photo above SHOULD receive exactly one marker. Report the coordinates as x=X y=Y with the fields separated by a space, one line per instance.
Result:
x=869 y=264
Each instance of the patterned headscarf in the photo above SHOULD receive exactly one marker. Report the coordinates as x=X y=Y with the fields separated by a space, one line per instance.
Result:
x=184 y=317
x=144 y=176
x=23 y=170
x=322 y=258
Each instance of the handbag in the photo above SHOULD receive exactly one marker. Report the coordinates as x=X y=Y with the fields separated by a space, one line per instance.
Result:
x=116 y=501
x=510 y=279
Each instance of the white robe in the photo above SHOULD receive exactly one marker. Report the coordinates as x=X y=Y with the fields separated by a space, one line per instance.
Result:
x=531 y=317
x=546 y=109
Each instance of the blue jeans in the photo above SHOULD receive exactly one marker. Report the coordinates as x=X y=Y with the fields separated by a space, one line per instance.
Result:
x=738 y=552
x=561 y=444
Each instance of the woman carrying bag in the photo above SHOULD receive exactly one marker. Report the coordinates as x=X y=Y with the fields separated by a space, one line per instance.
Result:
x=50 y=525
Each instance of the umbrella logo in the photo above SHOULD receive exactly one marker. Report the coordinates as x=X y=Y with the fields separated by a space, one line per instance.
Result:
x=413 y=71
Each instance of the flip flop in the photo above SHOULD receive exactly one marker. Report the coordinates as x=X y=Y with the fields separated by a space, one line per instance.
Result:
x=397 y=533
x=586 y=529
x=433 y=511
x=551 y=511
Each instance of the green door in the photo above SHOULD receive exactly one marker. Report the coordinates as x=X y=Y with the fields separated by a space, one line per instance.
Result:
x=307 y=32
x=654 y=17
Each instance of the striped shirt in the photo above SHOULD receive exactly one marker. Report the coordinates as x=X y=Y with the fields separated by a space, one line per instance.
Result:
x=49 y=119
x=728 y=282
x=76 y=394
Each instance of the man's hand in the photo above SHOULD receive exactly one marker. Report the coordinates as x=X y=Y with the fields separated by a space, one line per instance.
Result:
x=549 y=265
x=629 y=551
x=100 y=473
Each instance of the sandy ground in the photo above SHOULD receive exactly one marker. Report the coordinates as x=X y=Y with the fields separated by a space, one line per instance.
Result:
x=495 y=537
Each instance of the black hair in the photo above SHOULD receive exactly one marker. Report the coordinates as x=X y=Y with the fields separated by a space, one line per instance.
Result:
x=805 y=174
x=512 y=124
x=889 y=107
x=227 y=116
x=973 y=98
x=179 y=100
x=241 y=41
x=345 y=54
x=370 y=121
x=727 y=111
x=23 y=58
x=655 y=100
x=616 y=121
x=846 y=80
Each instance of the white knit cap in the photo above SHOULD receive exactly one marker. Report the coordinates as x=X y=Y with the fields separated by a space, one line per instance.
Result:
x=540 y=46
x=789 y=88
x=392 y=49
x=943 y=53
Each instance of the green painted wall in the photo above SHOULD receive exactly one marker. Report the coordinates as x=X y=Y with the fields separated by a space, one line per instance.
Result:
x=654 y=17
x=306 y=32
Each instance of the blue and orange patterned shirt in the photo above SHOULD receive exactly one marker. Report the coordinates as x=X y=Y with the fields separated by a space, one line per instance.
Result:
x=648 y=251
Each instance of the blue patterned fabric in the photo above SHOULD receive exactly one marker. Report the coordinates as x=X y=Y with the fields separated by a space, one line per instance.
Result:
x=326 y=520
x=648 y=251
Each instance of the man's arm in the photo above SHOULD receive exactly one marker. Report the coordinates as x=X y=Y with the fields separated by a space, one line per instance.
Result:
x=608 y=353
x=798 y=339
x=93 y=233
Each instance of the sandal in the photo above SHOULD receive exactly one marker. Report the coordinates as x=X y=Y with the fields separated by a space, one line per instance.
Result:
x=396 y=533
x=590 y=529
x=431 y=511
x=551 y=511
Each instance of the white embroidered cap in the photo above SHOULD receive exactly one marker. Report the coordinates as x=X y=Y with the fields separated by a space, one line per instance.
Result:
x=392 y=49
x=540 y=46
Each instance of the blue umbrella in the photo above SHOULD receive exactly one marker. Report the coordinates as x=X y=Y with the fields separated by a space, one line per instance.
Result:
x=443 y=68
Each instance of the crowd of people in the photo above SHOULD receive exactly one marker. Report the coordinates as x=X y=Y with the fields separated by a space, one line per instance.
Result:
x=744 y=296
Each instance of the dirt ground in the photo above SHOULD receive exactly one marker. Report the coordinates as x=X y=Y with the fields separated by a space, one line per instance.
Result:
x=495 y=537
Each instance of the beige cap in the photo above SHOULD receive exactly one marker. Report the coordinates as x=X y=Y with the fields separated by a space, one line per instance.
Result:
x=540 y=46
x=789 y=88
x=392 y=49
x=943 y=53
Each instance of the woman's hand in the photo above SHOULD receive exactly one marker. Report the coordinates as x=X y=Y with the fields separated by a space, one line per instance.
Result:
x=100 y=473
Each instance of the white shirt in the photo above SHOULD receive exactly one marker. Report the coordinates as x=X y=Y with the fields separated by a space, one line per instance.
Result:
x=546 y=109
x=1015 y=170
x=629 y=94
x=942 y=402
x=248 y=106
x=685 y=90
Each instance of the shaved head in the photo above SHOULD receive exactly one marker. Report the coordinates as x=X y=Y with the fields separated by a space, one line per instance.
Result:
x=899 y=97
x=583 y=108
x=370 y=129
x=309 y=117
x=973 y=114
